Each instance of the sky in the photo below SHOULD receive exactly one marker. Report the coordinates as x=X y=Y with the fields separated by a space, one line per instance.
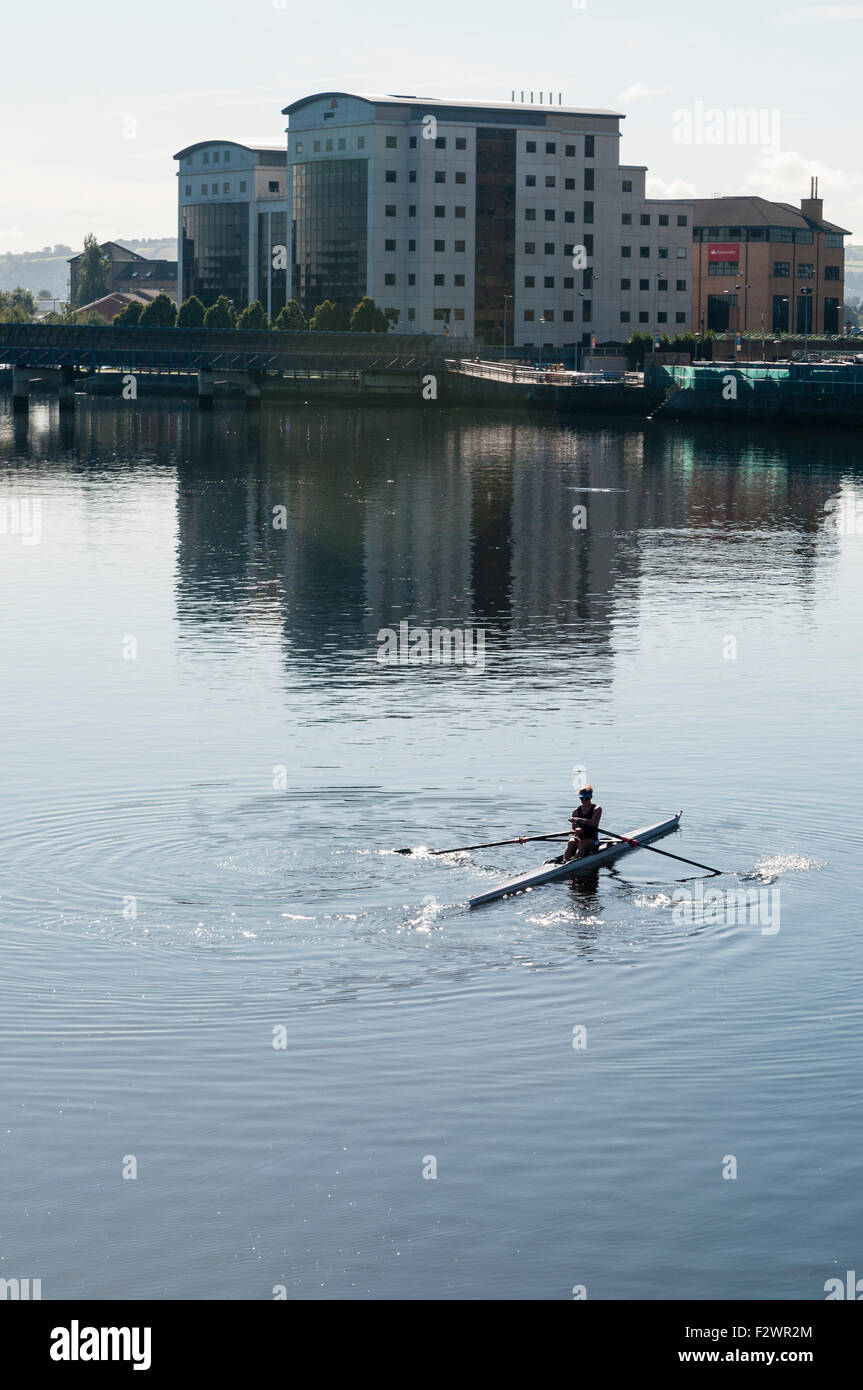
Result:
x=98 y=98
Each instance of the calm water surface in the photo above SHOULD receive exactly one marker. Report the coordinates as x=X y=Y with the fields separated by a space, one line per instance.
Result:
x=205 y=768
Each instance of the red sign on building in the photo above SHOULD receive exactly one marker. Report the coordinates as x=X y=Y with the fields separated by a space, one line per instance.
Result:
x=723 y=251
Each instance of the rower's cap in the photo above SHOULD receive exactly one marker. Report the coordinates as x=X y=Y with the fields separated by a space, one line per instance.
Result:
x=585 y=791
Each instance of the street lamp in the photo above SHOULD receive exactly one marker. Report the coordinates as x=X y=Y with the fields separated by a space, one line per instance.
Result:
x=541 y=335
x=505 y=298
x=807 y=311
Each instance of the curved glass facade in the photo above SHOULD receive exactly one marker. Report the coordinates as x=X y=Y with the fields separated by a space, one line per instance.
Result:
x=328 y=234
x=216 y=252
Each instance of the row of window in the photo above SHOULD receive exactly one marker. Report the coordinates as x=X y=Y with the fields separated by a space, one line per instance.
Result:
x=662 y=252
x=390 y=279
x=661 y=285
x=550 y=214
x=550 y=181
x=225 y=156
x=391 y=176
x=661 y=221
x=226 y=188
x=644 y=317
x=390 y=244
x=805 y=270
x=550 y=147
x=802 y=236
x=390 y=210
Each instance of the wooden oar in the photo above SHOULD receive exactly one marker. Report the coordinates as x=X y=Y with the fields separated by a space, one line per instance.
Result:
x=493 y=844
x=628 y=840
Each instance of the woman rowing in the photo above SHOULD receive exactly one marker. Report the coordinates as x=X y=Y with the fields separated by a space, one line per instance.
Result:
x=585 y=827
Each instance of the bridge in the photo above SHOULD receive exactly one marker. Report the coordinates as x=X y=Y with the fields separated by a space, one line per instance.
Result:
x=70 y=349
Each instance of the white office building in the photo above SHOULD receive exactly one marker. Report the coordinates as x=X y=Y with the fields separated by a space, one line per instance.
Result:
x=232 y=214
x=457 y=216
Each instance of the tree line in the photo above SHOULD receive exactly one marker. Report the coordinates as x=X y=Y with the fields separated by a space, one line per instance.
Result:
x=162 y=312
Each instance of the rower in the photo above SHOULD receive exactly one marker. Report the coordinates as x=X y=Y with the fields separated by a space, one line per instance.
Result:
x=585 y=827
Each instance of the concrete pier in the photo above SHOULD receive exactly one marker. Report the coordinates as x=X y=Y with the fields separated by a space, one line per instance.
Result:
x=67 y=388
x=205 y=390
x=20 y=390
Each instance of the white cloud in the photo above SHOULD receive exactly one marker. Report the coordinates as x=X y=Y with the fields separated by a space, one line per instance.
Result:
x=678 y=188
x=637 y=91
x=784 y=178
x=828 y=14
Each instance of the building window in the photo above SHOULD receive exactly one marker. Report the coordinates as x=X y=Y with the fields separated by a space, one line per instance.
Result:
x=679 y=318
x=412 y=176
x=328 y=146
x=273 y=186
x=682 y=219
x=588 y=212
x=440 y=176
x=460 y=176
x=588 y=243
x=662 y=285
x=227 y=154
x=460 y=211
x=569 y=217
x=458 y=280
x=663 y=219
x=550 y=181
x=439 y=279
x=442 y=315
x=681 y=253
x=390 y=210
x=567 y=316
x=643 y=317
x=316 y=147
x=390 y=175
x=530 y=180
x=644 y=219
x=550 y=147
x=681 y=285
x=586 y=310
x=644 y=252
x=461 y=142
x=782 y=269
x=203 y=188
x=644 y=284
x=215 y=188
x=188 y=190
x=528 y=316
x=589 y=146
x=412 y=209
x=389 y=245
x=440 y=142
x=626 y=186
x=626 y=251
x=389 y=279
x=361 y=142
x=778 y=233
x=392 y=142
x=831 y=272
x=530 y=248
x=226 y=188
x=548 y=282
x=412 y=246
x=805 y=270
x=530 y=147
x=529 y=281
x=530 y=214
x=412 y=313
x=548 y=315
x=588 y=179
x=626 y=219
x=242 y=185
x=550 y=214
x=341 y=142
x=215 y=156
x=624 y=316
x=663 y=252
x=662 y=318
x=440 y=210
x=458 y=246
x=626 y=284
x=412 y=279
x=723 y=268
x=569 y=282
x=439 y=245
x=833 y=239
x=207 y=157
x=805 y=238
x=549 y=248
x=569 y=185
x=458 y=313
x=298 y=147
x=412 y=142
x=569 y=151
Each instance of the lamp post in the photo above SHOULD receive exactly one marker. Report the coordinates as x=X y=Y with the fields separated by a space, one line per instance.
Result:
x=541 y=336
x=505 y=298
x=807 y=292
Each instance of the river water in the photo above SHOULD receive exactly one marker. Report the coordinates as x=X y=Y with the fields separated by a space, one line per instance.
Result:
x=247 y=1051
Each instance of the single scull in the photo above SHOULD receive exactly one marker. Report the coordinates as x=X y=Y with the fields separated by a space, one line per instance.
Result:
x=608 y=851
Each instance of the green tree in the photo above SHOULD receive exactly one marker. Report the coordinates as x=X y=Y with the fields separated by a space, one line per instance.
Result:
x=368 y=318
x=222 y=314
x=44 y=294
x=291 y=318
x=254 y=317
x=93 y=272
x=17 y=306
x=130 y=315
x=161 y=312
x=329 y=318
x=191 y=313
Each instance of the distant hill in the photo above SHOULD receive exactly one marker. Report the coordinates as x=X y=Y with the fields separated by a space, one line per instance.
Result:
x=48 y=269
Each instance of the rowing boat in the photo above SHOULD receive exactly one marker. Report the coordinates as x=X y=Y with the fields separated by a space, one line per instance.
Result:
x=607 y=853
